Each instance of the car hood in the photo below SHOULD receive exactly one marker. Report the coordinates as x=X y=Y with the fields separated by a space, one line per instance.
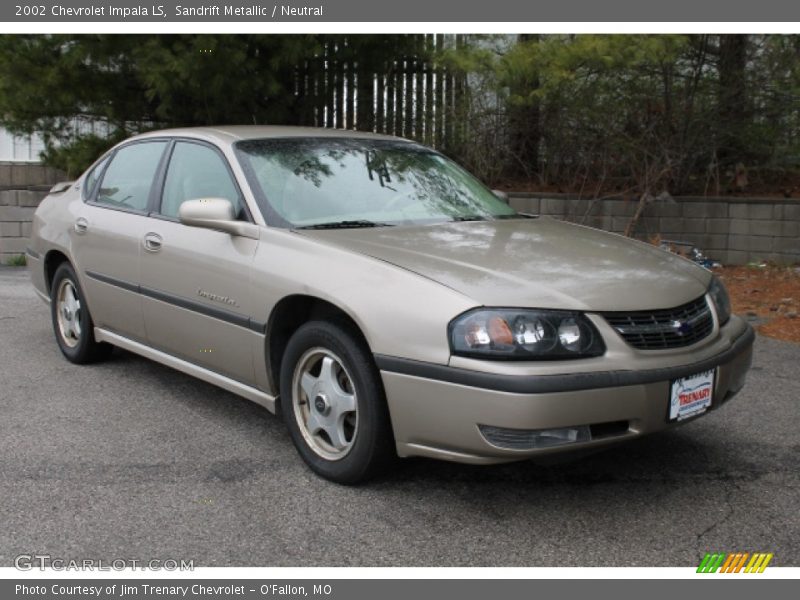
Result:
x=539 y=262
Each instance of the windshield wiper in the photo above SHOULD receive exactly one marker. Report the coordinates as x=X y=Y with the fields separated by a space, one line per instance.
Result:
x=353 y=224
x=464 y=218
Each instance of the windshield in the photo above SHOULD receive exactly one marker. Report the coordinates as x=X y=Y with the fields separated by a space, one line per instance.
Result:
x=343 y=182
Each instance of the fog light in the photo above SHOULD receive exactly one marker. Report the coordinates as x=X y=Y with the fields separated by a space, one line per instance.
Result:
x=531 y=439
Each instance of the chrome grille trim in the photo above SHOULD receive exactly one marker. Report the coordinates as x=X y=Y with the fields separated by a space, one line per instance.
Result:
x=664 y=328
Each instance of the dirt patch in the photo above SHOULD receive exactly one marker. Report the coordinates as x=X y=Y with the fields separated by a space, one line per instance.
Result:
x=768 y=296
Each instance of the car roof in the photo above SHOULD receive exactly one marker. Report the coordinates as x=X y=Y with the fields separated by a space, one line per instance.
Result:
x=228 y=134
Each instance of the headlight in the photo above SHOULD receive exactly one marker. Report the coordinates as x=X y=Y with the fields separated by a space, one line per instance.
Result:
x=722 y=302
x=510 y=334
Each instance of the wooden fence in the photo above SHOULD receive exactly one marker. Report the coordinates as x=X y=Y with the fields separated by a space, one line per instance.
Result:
x=412 y=95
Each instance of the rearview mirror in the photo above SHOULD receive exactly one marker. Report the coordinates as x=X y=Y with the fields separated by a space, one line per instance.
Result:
x=215 y=213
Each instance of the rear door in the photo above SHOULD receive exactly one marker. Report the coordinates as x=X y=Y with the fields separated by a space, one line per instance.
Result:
x=196 y=293
x=108 y=230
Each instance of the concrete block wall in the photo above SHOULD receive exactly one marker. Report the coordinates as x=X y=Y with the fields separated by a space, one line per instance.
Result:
x=16 y=216
x=732 y=230
x=23 y=176
x=22 y=187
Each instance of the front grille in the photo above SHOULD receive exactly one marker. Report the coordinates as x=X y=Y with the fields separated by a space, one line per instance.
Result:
x=661 y=329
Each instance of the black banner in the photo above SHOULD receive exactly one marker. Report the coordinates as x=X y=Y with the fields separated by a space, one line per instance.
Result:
x=708 y=586
x=462 y=11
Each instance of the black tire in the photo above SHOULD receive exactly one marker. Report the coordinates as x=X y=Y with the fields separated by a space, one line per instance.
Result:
x=372 y=447
x=79 y=346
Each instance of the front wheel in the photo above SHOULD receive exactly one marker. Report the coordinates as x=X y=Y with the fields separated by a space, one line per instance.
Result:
x=333 y=403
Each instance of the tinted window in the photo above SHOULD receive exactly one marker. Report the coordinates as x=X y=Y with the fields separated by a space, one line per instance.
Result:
x=93 y=177
x=197 y=171
x=312 y=182
x=127 y=181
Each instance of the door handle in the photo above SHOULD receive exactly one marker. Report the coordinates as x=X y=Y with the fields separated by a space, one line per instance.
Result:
x=81 y=225
x=152 y=242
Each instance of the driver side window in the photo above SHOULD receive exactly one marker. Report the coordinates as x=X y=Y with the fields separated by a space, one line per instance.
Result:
x=197 y=171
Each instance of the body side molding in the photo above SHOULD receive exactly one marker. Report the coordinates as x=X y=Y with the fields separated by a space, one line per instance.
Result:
x=181 y=302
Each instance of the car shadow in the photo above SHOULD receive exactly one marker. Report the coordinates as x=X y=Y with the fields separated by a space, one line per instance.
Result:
x=188 y=389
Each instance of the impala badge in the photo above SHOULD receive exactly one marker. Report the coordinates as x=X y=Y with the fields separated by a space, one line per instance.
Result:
x=217 y=298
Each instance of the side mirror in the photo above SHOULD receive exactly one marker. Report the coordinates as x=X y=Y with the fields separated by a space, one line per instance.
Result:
x=215 y=213
x=501 y=195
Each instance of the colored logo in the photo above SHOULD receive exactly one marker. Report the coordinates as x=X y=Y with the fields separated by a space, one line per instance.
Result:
x=737 y=562
x=690 y=395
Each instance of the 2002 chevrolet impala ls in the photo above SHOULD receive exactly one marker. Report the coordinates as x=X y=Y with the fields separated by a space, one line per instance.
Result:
x=379 y=297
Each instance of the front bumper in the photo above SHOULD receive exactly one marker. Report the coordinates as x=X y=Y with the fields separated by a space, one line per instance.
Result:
x=437 y=410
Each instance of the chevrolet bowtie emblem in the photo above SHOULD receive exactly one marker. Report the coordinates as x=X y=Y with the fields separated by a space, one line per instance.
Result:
x=681 y=327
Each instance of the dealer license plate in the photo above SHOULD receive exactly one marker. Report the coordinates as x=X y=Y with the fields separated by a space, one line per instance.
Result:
x=691 y=396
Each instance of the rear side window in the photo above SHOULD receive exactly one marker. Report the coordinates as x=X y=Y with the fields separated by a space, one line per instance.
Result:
x=93 y=177
x=197 y=171
x=127 y=181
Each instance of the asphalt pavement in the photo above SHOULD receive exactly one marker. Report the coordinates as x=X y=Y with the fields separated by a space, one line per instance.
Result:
x=131 y=460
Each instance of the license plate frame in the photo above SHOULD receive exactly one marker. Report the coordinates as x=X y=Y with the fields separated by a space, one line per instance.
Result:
x=691 y=396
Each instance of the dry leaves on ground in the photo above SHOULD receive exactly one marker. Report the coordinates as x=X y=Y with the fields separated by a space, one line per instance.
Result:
x=769 y=296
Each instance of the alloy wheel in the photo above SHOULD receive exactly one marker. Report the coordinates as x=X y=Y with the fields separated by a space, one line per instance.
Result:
x=325 y=404
x=68 y=313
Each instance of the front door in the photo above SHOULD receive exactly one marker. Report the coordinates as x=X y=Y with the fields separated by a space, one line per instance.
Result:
x=195 y=282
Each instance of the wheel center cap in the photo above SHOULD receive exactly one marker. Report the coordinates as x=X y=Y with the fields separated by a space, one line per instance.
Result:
x=321 y=405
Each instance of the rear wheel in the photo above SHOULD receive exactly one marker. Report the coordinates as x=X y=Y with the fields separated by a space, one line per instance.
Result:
x=72 y=322
x=333 y=404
